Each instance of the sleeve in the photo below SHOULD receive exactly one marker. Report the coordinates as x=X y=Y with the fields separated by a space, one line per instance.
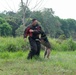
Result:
x=26 y=32
x=39 y=30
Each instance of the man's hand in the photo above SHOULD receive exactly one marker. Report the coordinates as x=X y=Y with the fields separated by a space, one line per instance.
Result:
x=31 y=30
x=41 y=40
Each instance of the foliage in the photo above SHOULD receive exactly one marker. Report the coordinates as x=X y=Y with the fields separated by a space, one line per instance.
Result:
x=11 y=44
x=62 y=37
x=20 y=30
x=5 y=28
x=52 y=25
x=63 y=45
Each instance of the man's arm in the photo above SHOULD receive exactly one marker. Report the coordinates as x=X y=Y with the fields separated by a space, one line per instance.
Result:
x=38 y=30
x=26 y=32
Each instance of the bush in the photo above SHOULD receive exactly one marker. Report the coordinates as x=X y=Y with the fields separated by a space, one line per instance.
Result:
x=62 y=37
x=20 y=30
x=71 y=44
x=5 y=28
x=18 y=44
x=54 y=44
x=13 y=44
x=11 y=47
x=65 y=45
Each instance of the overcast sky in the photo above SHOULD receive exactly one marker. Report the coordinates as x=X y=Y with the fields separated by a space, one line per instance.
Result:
x=63 y=8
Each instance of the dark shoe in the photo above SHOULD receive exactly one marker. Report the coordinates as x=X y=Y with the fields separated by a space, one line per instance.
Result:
x=29 y=57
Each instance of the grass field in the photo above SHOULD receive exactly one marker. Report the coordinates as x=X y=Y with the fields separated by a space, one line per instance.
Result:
x=60 y=63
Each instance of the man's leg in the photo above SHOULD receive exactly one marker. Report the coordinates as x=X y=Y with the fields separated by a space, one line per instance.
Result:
x=33 y=48
x=38 y=48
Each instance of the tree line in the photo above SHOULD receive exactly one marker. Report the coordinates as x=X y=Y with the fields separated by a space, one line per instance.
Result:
x=11 y=23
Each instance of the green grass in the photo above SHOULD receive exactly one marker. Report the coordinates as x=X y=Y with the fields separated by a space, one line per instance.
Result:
x=59 y=63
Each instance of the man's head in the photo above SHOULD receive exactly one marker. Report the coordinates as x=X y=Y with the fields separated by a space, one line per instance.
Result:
x=34 y=21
